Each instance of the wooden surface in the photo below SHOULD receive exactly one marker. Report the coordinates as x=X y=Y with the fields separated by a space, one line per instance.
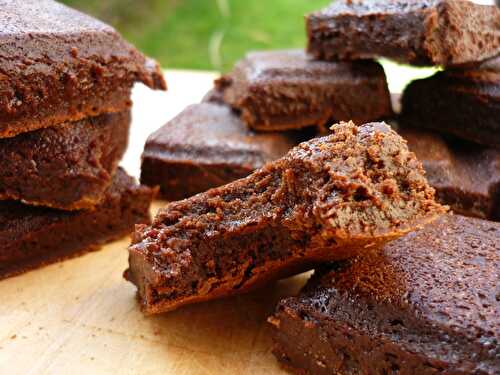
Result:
x=81 y=317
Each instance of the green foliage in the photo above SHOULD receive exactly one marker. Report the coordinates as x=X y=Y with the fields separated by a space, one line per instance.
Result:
x=205 y=34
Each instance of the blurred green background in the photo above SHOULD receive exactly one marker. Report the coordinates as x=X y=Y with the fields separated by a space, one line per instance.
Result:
x=204 y=34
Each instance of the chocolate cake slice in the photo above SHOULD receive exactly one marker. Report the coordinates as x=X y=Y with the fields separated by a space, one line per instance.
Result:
x=59 y=65
x=32 y=237
x=280 y=90
x=465 y=103
x=426 y=304
x=420 y=32
x=466 y=176
x=329 y=198
x=68 y=166
x=205 y=146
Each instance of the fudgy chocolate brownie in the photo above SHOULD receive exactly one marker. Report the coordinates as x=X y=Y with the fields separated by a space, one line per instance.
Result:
x=279 y=90
x=206 y=146
x=68 y=166
x=421 y=32
x=466 y=176
x=58 y=65
x=327 y=199
x=465 y=103
x=32 y=237
x=426 y=304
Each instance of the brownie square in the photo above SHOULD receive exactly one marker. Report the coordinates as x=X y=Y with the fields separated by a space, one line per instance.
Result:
x=425 y=304
x=279 y=90
x=466 y=176
x=205 y=146
x=420 y=32
x=327 y=199
x=32 y=237
x=60 y=65
x=461 y=102
x=68 y=166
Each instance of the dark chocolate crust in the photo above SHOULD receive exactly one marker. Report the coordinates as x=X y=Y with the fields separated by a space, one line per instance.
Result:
x=58 y=65
x=352 y=190
x=279 y=90
x=426 y=304
x=465 y=103
x=67 y=167
x=205 y=146
x=420 y=32
x=466 y=176
x=33 y=237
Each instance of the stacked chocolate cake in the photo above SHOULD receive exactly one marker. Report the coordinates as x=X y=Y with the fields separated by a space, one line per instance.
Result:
x=65 y=85
x=401 y=286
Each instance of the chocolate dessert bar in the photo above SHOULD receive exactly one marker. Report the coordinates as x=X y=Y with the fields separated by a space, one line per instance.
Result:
x=68 y=166
x=466 y=176
x=59 y=65
x=329 y=198
x=206 y=146
x=281 y=90
x=426 y=304
x=465 y=103
x=420 y=32
x=32 y=237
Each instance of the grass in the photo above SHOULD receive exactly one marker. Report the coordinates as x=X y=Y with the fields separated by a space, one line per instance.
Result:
x=205 y=34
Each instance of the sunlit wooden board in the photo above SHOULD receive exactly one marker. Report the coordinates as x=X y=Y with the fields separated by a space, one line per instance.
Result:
x=81 y=317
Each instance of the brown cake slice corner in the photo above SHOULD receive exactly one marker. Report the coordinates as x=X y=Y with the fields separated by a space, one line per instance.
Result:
x=329 y=198
x=427 y=303
x=420 y=32
x=33 y=237
x=286 y=89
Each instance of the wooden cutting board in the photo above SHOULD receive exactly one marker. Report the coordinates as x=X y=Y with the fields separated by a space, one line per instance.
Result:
x=81 y=316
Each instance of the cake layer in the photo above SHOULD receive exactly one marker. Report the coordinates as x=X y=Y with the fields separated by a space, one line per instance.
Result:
x=32 y=237
x=329 y=198
x=68 y=166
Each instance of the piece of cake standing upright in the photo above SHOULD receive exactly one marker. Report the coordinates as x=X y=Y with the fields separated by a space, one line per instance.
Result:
x=329 y=198
x=420 y=32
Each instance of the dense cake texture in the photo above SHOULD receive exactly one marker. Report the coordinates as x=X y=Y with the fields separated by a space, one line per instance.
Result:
x=280 y=90
x=68 y=166
x=32 y=237
x=206 y=146
x=327 y=199
x=466 y=176
x=465 y=103
x=421 y=32
x=426 y=304
x=58 y=65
